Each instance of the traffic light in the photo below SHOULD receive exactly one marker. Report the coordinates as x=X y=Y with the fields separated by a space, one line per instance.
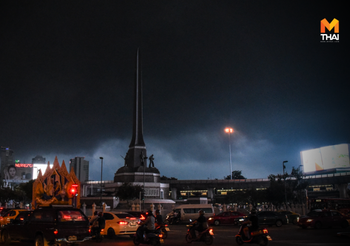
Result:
x=74 y=190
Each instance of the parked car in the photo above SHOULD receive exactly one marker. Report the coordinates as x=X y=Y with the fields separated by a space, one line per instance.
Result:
x=228 y=217
x=324 y=218
x=272 y=218
x=292 y=216
x=54 y=225
x=119 y=223
x=10 y=231
x=10 y=214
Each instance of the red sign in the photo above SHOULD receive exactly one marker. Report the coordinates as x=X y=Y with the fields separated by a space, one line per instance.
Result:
x=23 y=165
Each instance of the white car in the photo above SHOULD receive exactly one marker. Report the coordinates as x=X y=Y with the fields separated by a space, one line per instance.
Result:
x=119 y=223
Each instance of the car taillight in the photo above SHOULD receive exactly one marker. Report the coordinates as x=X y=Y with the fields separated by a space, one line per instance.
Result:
x=89 y=230
x=160 y=235
x=122 y=222
x=142 y=217
x=265 y=231
x=55 y=232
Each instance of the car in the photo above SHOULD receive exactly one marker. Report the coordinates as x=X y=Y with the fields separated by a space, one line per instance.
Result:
x=10 y=231
x=10 y=214
x=324 y=218
x=55 y=225
x=119 y=223
x=138 y=214
x=3 y=211
x=272 y=218
x=229 y=217
x=292 y=216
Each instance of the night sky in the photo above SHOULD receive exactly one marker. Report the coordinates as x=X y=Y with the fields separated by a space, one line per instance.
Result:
x=67 y=72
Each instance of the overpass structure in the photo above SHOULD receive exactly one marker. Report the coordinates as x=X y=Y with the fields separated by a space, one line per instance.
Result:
x=334 y=184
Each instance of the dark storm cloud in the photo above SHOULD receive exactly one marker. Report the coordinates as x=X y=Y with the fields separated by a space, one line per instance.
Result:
x=68 y=71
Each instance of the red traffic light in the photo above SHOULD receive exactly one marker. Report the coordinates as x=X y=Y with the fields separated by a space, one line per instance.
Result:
x=74 y=189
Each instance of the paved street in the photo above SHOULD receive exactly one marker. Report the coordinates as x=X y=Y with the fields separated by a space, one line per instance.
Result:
x=287 y=235
x=225 y=235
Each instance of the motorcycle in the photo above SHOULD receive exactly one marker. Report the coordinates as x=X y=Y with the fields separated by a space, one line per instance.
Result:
x=171 y=219
x=96 y=234
x=163 y=229
x=206 y=236
x=260 y=236
x=154 y=238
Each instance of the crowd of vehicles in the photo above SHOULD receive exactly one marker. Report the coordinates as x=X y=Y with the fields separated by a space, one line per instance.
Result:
x=65 y=224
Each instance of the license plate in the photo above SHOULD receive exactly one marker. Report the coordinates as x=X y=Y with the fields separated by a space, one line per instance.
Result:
x=269 y=238
x=72 y=238
x=167 y=229
x=133 y=224
x=161 y=240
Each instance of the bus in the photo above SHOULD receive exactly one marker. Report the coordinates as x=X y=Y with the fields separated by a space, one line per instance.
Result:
x=340 y=204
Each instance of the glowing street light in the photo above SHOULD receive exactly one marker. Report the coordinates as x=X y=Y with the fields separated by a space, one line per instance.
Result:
x=229 y=130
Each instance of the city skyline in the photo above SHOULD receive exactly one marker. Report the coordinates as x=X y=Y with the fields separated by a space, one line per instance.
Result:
x=261 y=68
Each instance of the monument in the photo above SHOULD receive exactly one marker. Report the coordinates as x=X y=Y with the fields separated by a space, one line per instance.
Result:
x=135 y=167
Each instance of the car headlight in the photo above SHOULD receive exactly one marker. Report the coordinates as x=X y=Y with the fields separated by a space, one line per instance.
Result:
x=309 y=220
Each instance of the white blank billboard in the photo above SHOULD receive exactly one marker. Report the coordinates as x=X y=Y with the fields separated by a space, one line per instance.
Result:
x=327 y=158
x=36 y=168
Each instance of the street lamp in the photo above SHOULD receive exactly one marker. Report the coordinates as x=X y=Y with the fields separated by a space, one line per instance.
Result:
x=285 y=193
x=229 y=130
x=101 y=180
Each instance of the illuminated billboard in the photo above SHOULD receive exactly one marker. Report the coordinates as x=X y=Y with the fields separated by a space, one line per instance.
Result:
x=18 y=172
x=37 y=167
x=327 y=159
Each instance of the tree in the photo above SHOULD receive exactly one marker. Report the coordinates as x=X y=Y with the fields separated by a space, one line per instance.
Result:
x=275 y=193
x=27 y=188
x=297 y=186
x=128 y=191
x=236 y=175
x=166 y=178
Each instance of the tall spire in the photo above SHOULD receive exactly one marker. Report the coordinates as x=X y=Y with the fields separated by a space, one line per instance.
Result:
x=137 y=133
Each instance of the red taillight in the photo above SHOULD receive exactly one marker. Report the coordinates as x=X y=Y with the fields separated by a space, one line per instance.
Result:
x=211 y=230
x=122 y=222
x=55 y=232
x=102 y=230
x=90 y=230
x=1 y=218
x=142 y=217
x=160 y=235
x=265 y=231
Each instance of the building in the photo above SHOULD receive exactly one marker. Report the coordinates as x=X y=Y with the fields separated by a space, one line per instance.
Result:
x=39 y=160
x=80 y=167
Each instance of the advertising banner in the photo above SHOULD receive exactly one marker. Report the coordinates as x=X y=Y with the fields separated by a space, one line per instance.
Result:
x=327 y=159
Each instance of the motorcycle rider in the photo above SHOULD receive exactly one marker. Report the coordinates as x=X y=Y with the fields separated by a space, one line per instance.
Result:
x=94 y=223
x=159 y=218
x=254 y=221
x=200 y=223
x=148 y=225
